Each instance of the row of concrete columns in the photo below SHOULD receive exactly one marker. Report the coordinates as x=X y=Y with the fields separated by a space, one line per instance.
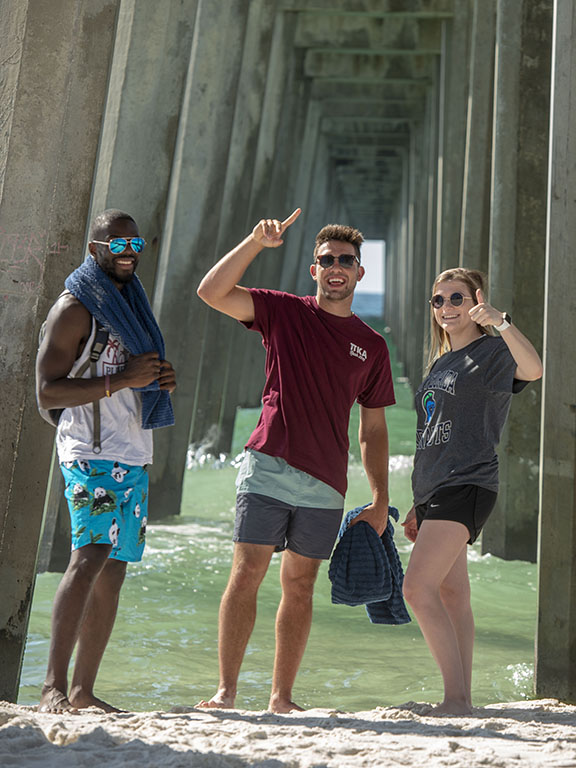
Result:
x=516 y=176
x=423 y=123
x=483 y=145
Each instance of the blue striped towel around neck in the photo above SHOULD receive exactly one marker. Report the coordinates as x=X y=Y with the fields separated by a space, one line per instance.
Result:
x=126 y=314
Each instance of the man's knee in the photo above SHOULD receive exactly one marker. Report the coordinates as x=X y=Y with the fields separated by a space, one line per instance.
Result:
x=298 y=581
x=247 y=572
x=113 y=574
x=86 y=563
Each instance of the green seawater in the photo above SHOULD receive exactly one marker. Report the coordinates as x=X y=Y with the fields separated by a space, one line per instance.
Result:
x=163 y=651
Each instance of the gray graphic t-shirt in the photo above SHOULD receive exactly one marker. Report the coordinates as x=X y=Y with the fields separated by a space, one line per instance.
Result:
x=462 y=406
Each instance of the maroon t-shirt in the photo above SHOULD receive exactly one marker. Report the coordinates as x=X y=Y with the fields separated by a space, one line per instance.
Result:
x=317 y=365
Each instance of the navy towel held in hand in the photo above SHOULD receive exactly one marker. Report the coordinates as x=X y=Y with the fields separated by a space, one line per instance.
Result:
x=366 y=569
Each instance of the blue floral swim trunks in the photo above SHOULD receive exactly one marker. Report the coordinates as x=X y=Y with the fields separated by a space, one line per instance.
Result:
x=108 y=503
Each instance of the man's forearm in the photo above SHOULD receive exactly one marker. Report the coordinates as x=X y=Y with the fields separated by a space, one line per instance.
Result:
x=56 y=391
x=70 y=392
x=225 y=275
x=373 y=439
x=219 y=287
x=374 y=451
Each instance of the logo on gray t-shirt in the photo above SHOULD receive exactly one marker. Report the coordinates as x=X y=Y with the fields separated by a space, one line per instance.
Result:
x=462 y=405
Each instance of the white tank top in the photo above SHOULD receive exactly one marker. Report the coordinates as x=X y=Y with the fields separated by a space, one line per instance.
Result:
x=121 y=433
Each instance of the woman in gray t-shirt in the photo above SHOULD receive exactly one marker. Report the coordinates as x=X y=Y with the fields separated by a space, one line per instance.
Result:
x=462 y=405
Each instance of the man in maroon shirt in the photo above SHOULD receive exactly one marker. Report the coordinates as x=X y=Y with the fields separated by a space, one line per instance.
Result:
x=320 y=359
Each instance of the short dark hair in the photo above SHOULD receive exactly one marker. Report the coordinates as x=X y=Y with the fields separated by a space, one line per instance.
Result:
x=101 y=223
x=339 y=232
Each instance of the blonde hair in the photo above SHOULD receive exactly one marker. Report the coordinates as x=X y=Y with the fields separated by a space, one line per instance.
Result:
x=439 y=339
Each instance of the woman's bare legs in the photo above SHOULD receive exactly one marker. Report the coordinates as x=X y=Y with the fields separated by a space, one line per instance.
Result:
x=437 y=588
x=455 y=595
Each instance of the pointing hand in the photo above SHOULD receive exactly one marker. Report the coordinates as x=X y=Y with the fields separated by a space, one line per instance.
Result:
x=268 y=232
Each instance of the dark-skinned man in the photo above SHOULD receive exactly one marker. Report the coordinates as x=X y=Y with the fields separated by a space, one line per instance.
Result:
x=101 y=370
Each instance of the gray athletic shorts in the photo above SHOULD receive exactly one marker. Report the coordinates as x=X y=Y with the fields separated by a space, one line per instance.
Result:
x=281 y=506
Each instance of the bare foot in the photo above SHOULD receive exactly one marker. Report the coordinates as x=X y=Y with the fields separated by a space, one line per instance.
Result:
x=82 y=700
x=450 y=708
x=220 y=700
x=282 y=706
x=53 y=700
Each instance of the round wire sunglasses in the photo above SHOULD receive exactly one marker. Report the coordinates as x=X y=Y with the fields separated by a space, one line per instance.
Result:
x=119 y=245
x=456 y=299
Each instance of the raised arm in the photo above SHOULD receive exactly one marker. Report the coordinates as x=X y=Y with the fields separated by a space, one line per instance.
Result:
x=373 y=439
x=529 y=365
x=68 y=328
x=219 y=287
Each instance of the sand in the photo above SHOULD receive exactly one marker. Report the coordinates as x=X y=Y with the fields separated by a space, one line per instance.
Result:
x=526 y=733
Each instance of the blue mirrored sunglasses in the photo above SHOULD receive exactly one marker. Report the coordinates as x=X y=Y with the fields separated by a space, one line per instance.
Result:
x=118 y=245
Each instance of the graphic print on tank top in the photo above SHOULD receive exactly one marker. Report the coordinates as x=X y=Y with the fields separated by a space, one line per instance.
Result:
x=114 y=357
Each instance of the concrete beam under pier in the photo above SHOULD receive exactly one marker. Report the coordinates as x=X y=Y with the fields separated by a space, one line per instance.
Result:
x=56 y=87
x=555 y=670
x=194 y=203
x=517 y=248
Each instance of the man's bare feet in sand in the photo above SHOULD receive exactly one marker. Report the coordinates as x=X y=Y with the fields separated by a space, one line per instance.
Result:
x=82 y=700
x=220 y=700
x=451 y=708
x=54 y=701
x=282 y=706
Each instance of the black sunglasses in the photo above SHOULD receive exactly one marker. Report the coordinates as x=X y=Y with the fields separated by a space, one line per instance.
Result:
x=455 y=299
x=346 y=260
